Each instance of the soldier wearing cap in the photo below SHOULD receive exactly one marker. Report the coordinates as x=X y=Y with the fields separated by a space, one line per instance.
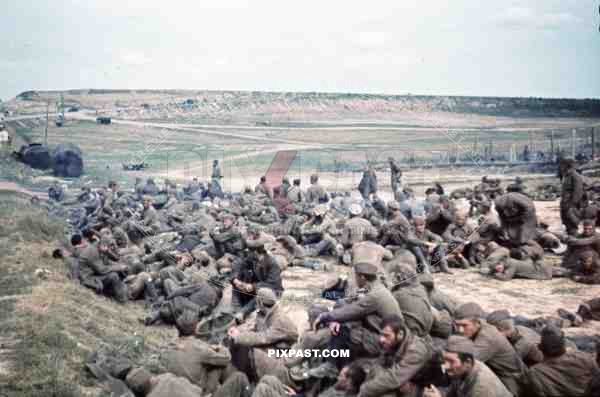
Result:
x=315 y=193
x=524 y=340
x=273 y=328
x=411 y=297
x=295 y=193
x=395 y=176
x=149 y=224
x=227 y=238
x=356 y=324
x=261 y=188
x=318 y=233
x=587 y=240
x=469 y=377
x=572 y=194
x=150 y=188
x=257 y=270
x=490 y=346
x=96 y=271
x=356 y=229
x=431 y=244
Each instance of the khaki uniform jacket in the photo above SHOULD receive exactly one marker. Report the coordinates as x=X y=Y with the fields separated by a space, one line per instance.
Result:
x=194 y=359
x=169 y=385
x=393 y=372
x=296 y=195
x=567 y=375
x=492 y=348
x=272 y=330
x=356 y=230
x=480 y=382
x=572 y=190
x=415 y=307
x=90 y=262
x=518 y=216
x=369 y=308
x=316 y=193
x=526 y=341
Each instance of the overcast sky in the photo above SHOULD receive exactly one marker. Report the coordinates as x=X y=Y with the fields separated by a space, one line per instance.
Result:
x=548 y=48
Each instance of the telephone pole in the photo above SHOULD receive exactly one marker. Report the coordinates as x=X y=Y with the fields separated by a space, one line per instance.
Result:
x=46 y=132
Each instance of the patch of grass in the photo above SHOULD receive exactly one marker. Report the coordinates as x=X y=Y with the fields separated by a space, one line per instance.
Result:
x=42 y=353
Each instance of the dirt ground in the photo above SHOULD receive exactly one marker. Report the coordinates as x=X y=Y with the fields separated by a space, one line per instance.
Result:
x=528 y=298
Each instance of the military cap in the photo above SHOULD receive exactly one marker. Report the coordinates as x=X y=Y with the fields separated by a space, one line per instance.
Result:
x=403 y=273
x=266 y=297
x=228 y=215
x=393 y=205
x=320 y=210
x=285 y=179
x=460 y=344
x=254 y=228
x=468 y=311
x=365 y=268
x=356 y=209
x=589 y=222
x=138 y=380
x=314 y=177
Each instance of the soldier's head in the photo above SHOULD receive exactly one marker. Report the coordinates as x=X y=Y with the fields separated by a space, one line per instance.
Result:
x=265 y=299
x=566 y=163
x=419 y=222
x=365 y=273
x=355 y=209
x=444 y=202
x=112 y=185
x=350 y=378
x=314 y=178
x=459 y=356
x=460 y=218
x=467 y=319
x=393 y=332
x=215 y=162
x=139 y=380
x=285 y=181
x=502 y=321
x=150 y=181
x=103 y=246
x=228 y=220
x=393 y=206
x=263 y=179
x=76 y=240
x=553 y=342
x=586 y=258
x=320 y=210
x=297 y=182
x=589 y=227
x=253 y=232
x=186 y=322
x=147 y=201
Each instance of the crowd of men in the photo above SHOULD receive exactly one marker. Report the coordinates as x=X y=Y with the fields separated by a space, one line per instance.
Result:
x=183 y=250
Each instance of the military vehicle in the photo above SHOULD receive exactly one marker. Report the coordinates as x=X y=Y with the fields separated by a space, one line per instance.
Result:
x=103 y=120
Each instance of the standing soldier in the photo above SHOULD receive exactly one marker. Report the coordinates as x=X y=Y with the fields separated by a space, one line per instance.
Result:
x=316 y=194
x=216 y=180
x=572 y=195
x=396 y=176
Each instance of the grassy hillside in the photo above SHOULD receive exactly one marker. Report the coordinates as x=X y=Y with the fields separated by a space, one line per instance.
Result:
x=50 y=326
